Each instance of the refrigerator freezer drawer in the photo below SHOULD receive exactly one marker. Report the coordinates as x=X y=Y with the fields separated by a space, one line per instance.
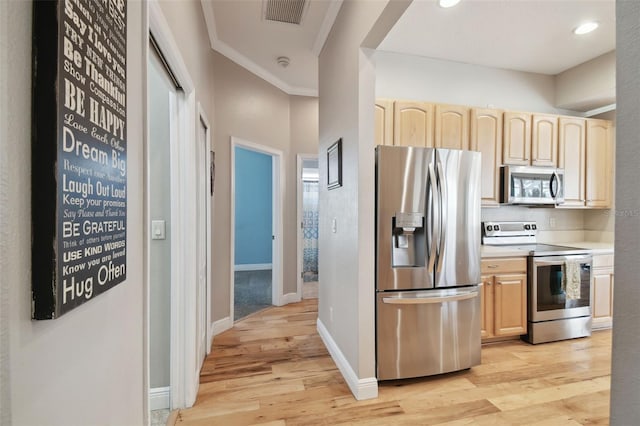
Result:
x=427 y=332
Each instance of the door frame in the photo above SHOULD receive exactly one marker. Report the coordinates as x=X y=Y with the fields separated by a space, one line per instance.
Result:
x=278 y=181
x=300 y=158
x=184 y=380
x=208 y=194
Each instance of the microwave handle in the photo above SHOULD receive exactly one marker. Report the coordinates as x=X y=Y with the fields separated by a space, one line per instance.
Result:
x=554 y=178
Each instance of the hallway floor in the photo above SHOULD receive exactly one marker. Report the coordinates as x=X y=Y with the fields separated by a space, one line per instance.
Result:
x=272 y=368
x=252 y=292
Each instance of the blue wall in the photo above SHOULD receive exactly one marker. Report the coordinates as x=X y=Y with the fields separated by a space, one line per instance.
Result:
x=253 y=207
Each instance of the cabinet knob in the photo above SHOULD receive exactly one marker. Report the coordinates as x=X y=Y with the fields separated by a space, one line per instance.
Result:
x=492 y=266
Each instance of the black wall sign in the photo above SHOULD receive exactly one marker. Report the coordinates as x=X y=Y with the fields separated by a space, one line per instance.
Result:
x=79 y=152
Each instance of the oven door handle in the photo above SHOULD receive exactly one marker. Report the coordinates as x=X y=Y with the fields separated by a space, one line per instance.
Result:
x=560 y=260
x=549 y=263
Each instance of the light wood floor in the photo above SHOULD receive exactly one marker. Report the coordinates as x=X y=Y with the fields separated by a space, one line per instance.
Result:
x=273 y=369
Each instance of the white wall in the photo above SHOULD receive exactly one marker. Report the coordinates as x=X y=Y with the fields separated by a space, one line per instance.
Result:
x=85 y=367
x=400 y=76
x=346 y=295
x=625 y=370
x=252 y=109
x=589 y=85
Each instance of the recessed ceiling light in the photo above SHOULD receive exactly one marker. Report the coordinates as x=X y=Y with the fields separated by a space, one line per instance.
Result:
x=448 y=3
x=585 y=28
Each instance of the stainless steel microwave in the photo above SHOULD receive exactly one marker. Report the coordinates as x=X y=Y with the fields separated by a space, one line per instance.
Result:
x=531 y=185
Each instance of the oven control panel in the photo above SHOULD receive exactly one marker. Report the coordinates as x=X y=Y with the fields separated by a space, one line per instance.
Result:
x=509 y=229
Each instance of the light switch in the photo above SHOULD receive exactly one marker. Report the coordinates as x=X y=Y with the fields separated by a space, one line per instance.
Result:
x=158 y=230
x=334 y=225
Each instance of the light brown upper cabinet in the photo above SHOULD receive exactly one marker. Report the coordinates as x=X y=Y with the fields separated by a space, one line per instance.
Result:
x=486 y=138
x=585 y=154
x=544 y=140
x=452 y=127
x=599 y=171
x=384 y=122
x=413 y=124
x=571 y=158
x=517 y=138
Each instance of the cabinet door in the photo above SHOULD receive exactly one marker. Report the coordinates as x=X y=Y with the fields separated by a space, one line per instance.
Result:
x=517 y=138
x=510 y=305
x=571 y=158
x=599 y=168
x=452 y=127
x=384 y=122
x=486 y=306
x=602 y=294
x=544 y=140
x=486 y=137
x=413 y=124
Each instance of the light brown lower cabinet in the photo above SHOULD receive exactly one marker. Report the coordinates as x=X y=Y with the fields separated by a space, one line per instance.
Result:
x=602 y=293
x=503 y=297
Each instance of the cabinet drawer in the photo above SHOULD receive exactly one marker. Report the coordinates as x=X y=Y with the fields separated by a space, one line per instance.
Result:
x=509 y=264
x=603 y=261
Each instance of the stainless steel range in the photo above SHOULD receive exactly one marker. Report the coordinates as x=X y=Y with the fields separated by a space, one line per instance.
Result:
x=558 y=282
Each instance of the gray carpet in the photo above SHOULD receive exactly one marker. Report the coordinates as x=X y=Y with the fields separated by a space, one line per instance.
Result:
x=252 y=292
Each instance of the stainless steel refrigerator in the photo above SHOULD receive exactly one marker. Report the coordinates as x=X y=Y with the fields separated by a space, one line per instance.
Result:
x=428 y=261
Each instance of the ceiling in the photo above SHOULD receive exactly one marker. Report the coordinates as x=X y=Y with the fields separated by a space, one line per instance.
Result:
x=238 y=30
x=523 y=35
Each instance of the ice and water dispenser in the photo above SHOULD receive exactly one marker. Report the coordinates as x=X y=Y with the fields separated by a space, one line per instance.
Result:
x=408 y=239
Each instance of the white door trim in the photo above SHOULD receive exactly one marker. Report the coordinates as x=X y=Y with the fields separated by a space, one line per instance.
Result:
x=278 y=177
x=299 y=213
x=183 y=379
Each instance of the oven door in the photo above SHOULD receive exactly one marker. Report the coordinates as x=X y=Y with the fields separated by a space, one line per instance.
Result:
x=548 y=299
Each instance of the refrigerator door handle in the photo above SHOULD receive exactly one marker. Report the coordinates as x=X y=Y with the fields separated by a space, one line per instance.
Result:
x=442 y=188
x=429 y=300
x=434 y=217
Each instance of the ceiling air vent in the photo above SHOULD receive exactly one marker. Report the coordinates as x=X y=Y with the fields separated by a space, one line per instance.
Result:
x=289 y=11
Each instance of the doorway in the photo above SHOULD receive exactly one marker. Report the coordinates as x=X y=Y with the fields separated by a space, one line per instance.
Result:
x=253 y=232
x=256 y=250
x=184 y=224
x=308 y=217
x=162 y=97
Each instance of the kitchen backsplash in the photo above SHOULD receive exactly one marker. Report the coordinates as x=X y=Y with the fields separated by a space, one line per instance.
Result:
x=560 y=225
x=599 y=225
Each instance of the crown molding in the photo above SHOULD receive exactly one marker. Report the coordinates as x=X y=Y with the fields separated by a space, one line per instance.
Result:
x=327 y=24
x=601 y=110
x=240 y=59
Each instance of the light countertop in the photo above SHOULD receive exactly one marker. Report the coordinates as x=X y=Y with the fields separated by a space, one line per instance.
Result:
x=488 y=252
x=595 y=247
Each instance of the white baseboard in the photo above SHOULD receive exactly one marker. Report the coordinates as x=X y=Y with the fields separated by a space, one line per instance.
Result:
x=361 y=388
x=253 y=267
x=159 y=398
x=291 y=298
x=221 y=325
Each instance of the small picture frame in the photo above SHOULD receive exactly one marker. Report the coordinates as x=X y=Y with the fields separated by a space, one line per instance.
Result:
x=334 y=165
